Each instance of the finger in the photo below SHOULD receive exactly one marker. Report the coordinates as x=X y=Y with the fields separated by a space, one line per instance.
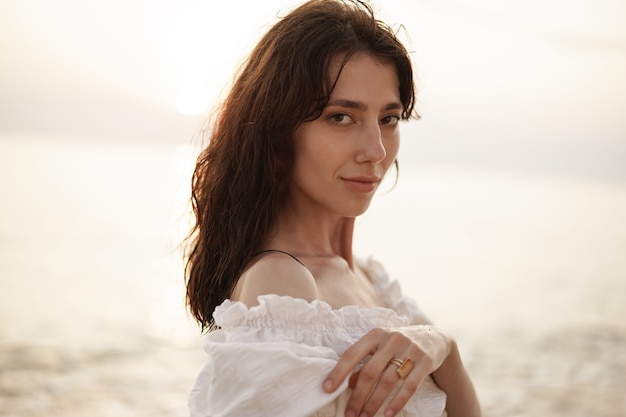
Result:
x=408 y=388
x=385 y=385
x=406 y=391
x=375 y=380
x=353 y=378
x=354 y=355
x=367 y=382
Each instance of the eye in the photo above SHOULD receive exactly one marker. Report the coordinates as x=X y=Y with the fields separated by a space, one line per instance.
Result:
x=340 y=118
x=391 y=120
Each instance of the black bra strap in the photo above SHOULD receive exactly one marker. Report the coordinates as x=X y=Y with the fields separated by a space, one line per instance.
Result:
x=282 y=251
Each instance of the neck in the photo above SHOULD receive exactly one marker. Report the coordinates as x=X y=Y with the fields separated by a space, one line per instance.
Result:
x=313 y=235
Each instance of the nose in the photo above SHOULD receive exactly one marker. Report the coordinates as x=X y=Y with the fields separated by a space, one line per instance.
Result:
x=371 y=146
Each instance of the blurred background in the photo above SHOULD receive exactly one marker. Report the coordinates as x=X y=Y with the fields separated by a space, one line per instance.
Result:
x=508 y=224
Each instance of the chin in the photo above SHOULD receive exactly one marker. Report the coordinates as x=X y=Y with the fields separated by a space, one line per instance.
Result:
x=357 y=210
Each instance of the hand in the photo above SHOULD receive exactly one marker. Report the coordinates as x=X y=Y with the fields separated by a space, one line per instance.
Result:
x=426 y=346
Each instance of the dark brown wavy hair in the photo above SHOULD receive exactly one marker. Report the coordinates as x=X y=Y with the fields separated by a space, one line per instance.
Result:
x=241 y=177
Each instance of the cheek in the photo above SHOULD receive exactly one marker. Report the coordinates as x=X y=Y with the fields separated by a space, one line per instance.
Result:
x=311 y=162
x=316 y=149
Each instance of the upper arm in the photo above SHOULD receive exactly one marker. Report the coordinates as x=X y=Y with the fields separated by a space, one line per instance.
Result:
x=275 y=274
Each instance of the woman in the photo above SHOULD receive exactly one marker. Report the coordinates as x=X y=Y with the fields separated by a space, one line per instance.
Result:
x=297 y=325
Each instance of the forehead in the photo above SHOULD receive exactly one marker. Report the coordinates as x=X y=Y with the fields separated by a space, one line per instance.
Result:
x=364 y=76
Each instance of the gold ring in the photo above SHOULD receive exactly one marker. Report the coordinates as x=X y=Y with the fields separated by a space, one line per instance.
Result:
x=396 y=362
x=405 y=369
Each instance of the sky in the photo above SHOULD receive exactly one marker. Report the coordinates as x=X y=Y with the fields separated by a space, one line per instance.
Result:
x=499 y=82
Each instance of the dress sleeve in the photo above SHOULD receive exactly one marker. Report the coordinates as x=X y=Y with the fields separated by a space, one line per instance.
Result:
x=272 y=359
x=281 y=379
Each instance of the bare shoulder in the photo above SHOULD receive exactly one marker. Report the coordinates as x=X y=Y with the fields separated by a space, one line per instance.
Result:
x=275 y=273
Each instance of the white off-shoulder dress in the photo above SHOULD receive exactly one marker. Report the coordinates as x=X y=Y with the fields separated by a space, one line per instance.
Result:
x=271 y=359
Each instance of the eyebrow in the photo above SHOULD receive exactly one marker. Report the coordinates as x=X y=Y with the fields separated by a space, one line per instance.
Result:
x=361 y=106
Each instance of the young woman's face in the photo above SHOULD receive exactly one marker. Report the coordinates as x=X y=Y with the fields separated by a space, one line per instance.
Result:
x=342 y=156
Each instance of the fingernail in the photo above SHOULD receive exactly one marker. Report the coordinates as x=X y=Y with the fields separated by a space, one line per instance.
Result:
x=328 y=385
x=389 y=413
x=363 y=415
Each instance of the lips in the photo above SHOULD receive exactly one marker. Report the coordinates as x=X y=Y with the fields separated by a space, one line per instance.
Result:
x=362 y=184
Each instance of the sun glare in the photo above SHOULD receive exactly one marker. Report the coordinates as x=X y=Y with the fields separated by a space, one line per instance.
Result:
x=193 y=96
x=205 y=52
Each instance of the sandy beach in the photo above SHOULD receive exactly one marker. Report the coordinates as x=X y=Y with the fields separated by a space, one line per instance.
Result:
x=526 y=270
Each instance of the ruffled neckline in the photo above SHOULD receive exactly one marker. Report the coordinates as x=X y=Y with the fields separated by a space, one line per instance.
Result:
x=288 y=312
